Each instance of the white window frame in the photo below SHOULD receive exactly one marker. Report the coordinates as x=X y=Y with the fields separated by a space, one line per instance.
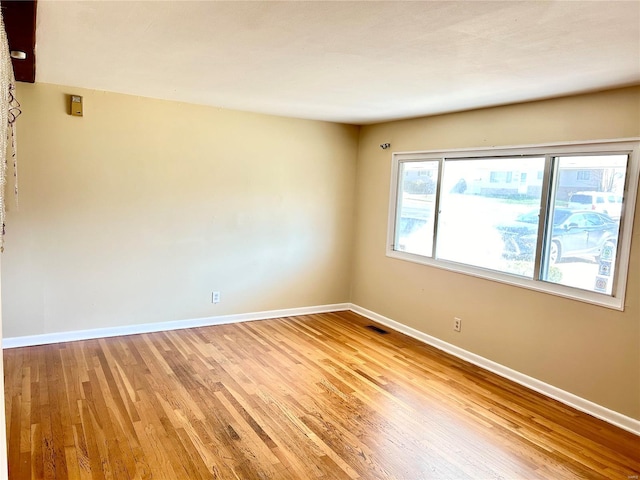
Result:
x=630 y=146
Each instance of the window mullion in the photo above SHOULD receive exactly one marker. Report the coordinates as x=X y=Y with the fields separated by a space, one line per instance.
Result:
x=398 y=169
x=436 y=213
x=543 y=218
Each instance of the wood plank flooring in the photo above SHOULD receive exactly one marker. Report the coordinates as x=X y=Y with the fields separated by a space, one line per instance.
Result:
x=309 y=397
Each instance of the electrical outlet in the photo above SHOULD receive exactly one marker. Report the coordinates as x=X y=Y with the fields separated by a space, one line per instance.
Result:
x=215 y=297
x=457 y=324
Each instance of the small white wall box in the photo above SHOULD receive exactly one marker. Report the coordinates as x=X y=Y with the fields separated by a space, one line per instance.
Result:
x=76 y=105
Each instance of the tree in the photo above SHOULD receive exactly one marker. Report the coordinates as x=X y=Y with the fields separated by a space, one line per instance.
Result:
x=610 y=180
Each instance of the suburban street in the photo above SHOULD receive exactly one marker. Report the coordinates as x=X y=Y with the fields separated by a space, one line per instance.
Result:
x=468 y=235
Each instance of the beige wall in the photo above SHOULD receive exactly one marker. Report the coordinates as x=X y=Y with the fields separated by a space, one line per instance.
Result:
x=136 y=212
x=590 y=351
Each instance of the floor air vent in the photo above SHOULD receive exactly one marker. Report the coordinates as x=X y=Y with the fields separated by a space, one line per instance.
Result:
x=377 y=329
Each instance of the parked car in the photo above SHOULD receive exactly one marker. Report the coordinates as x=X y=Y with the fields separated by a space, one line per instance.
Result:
x=574 y=234
x=603 y=202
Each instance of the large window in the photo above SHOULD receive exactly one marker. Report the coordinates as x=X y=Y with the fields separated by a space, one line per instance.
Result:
x=555 y=218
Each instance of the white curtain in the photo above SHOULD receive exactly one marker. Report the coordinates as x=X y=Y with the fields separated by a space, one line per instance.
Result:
x=9 y=111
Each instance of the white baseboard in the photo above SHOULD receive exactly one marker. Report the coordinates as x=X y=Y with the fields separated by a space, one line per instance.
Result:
x=58 y=337
x=627 y=423
x=598 y=411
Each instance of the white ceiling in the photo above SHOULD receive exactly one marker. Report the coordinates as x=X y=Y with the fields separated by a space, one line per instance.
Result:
x=353 y=62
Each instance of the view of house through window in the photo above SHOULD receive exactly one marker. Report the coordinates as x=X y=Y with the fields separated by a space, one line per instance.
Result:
x=586 y=207
x=481 y=200
x=552 y=219
x=416 y=207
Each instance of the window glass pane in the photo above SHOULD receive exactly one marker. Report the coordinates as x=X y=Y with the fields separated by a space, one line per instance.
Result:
x=416 y=207
x=585 y=220
x=487 y=219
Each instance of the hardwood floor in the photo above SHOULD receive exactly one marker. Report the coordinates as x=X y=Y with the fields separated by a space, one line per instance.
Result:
x=318 y=396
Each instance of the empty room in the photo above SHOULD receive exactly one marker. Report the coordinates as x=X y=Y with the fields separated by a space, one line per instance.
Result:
x=320 y=240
